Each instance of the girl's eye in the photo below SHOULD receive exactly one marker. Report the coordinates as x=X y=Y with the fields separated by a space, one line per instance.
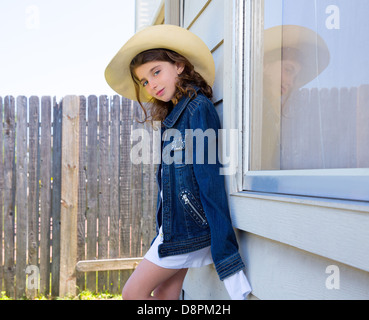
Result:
x=145 y=83
x=156 y=73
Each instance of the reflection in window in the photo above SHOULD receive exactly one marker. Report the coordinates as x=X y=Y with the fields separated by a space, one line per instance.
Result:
x=315 y=111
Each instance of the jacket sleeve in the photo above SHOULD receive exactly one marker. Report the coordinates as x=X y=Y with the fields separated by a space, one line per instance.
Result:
x=213 y=196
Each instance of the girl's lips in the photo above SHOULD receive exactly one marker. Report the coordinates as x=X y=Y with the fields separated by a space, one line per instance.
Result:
x=160 y=93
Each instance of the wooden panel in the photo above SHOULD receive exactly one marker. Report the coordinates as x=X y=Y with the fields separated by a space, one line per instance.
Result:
x=45 y=194
x=103 y=198
x=108 y=264
x=136 y=191
x=21 y=197
x=33 y=185
x=9 y=179
x=148 y=214
x=81 y=229
x=69 y=195
x=56 y=196
x=114 y=191
x=92 y=190
x=125 y=185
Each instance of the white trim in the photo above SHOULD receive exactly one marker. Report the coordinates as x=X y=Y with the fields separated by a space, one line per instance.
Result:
x=233 y=84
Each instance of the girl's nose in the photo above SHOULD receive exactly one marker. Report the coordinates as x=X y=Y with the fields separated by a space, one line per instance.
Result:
x=153 y=85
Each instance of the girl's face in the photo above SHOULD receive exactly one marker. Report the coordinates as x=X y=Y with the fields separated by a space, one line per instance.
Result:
x=283 y=74
x=159 y=78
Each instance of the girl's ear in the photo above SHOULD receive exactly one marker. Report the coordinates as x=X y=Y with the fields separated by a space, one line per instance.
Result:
x=180 y=67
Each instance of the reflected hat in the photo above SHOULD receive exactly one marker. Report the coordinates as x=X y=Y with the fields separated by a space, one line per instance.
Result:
x=313 y=51
x=180 y=40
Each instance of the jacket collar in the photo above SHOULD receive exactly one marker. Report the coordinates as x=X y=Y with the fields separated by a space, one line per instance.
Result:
x=172 y=118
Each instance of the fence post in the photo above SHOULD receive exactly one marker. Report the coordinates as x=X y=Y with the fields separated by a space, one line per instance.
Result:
x=69 y=195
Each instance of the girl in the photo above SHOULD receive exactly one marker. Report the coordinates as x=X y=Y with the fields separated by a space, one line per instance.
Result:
x=173 y=69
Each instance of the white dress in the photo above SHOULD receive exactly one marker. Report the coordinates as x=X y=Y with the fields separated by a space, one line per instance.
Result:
x=237 y=285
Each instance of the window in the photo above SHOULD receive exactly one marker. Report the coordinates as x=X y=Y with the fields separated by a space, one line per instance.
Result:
x=309 y=106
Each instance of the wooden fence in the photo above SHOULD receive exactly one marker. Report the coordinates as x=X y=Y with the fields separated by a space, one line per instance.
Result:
x=64 y=161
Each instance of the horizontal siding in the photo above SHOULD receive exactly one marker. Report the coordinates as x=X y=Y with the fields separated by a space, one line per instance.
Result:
x=203 y=283
x=278 y=271
x=209 y=26
x=192 y=8
x=314 y=226
x=205 y=19
x=218 y=56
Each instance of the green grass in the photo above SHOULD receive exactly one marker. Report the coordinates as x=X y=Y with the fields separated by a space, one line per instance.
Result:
x=84 y=295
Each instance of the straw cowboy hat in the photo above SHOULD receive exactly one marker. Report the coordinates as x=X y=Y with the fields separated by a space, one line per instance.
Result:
x=314 y=53
x=180 y=40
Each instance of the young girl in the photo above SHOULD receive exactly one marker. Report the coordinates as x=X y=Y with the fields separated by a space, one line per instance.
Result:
x=173 y=70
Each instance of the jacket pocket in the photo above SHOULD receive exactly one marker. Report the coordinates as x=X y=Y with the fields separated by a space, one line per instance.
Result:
x=193 y=208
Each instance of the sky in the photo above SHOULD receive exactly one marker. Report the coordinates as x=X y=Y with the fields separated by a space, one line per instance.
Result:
x=61 y=47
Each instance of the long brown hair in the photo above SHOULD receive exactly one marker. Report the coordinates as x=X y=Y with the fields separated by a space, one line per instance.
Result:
x=158 y=110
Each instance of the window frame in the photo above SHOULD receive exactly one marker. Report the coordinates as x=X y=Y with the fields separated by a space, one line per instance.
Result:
x=346 y=184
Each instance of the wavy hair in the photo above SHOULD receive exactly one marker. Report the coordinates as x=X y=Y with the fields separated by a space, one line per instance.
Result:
x=157 y=110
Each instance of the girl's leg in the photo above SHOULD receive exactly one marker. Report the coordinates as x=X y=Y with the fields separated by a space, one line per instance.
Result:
x=148 y=277
x=171 y=289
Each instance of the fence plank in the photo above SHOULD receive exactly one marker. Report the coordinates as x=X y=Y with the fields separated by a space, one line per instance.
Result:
x=69 y=196
x=33 y=187
x=92 y=189
x=1 y=195
x=108 y=264
x=114 y=191
x=56 y=197
x=125 y=185
x=45 y=194
x=104 y=176
x=9 y=145
x=21 y=197
x=148 y=214
x=81 y=190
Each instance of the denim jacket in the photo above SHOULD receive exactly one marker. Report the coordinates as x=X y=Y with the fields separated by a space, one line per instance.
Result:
x=193 y=208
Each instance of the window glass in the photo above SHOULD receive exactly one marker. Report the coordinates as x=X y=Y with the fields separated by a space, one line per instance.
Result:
x=315 y=108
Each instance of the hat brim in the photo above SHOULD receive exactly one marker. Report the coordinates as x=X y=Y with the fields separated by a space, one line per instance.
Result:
x=315 y=54
x=180 y=40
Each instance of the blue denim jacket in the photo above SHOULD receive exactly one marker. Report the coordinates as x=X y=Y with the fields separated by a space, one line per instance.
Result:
x=193 y=210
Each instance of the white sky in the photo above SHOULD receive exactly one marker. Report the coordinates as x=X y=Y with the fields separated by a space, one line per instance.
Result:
x=60 y=47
